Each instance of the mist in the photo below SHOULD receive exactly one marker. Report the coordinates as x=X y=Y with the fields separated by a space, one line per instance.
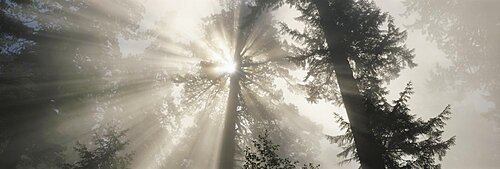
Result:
x=157 y=84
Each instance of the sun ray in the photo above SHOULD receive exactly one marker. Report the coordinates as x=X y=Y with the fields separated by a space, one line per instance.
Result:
x=172 y=96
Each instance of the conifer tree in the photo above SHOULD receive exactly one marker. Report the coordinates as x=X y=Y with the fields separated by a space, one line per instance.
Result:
x=408 y=141
x=347 y=47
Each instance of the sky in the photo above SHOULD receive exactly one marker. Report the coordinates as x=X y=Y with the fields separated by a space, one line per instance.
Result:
x=477 y=138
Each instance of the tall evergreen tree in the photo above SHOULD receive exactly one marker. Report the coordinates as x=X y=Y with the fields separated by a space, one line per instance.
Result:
x=408 y=142
x=345 y=45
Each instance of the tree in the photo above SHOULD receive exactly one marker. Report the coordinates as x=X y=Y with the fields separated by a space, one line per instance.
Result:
x=407 y=142
x=264 y=155
x=108 y=153
x=352 y=43
x=250 y=45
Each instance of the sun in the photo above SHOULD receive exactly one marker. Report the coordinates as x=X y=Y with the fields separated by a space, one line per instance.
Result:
x=227 y=67
x=224 y=61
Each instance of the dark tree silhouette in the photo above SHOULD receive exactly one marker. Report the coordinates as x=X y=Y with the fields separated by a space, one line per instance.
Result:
x=408 y=142
x=348 y=47
x=110 y=144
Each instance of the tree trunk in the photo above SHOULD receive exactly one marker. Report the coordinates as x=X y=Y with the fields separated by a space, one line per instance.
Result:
x=228 y=146
x=369 y=151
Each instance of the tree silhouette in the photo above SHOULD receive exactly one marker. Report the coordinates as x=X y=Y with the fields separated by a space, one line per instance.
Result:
x=347 y=48
x=408 y=142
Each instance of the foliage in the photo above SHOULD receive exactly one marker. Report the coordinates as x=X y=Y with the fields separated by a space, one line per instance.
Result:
x=108 y=153
x=374 y=51
x=348 y=48
x=264 y=155
x=408 y=142
x=375 y=46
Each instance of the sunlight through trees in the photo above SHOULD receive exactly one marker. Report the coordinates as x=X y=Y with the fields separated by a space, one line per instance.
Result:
x=157 y=84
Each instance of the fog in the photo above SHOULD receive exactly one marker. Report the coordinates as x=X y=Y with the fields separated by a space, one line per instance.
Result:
x=163 y=70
